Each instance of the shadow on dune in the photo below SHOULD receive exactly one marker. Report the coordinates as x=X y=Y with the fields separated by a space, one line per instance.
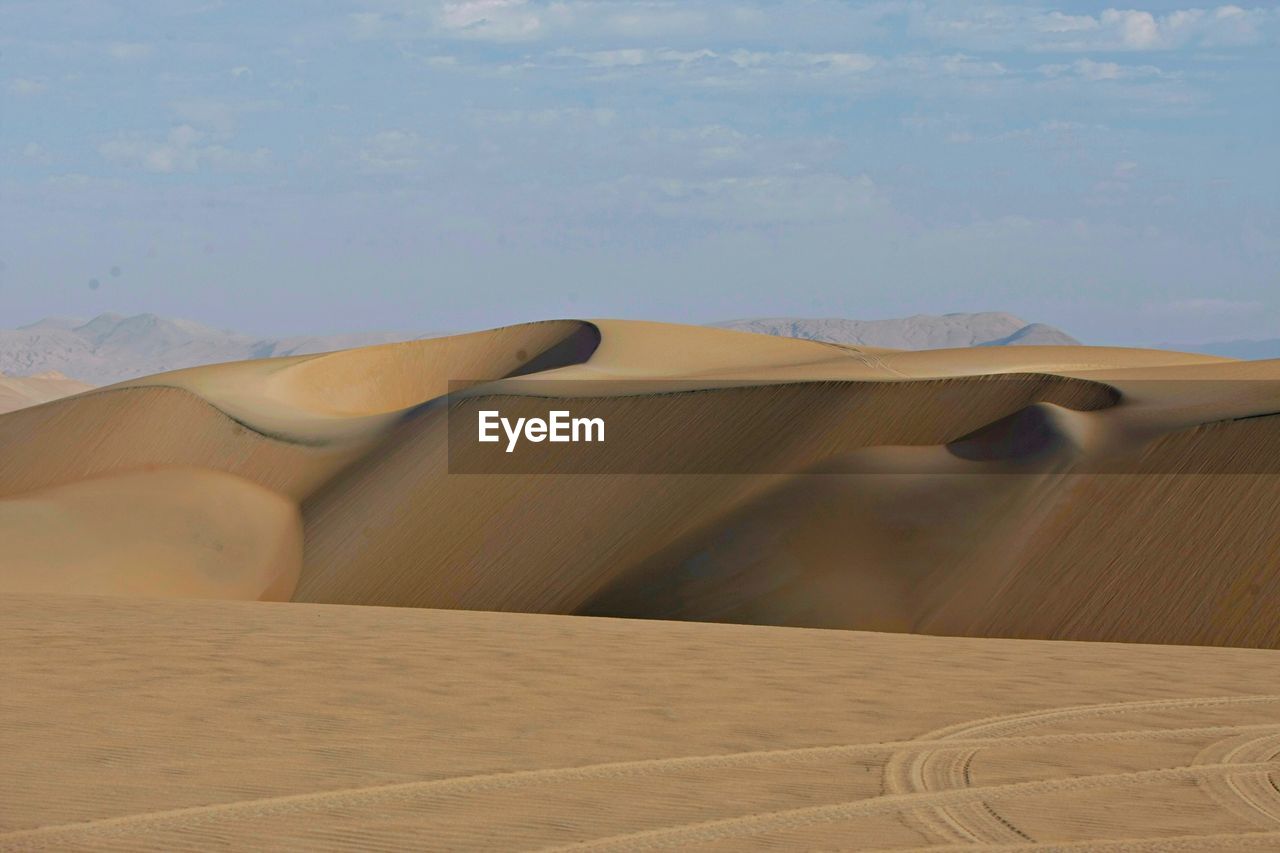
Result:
x=759 y=481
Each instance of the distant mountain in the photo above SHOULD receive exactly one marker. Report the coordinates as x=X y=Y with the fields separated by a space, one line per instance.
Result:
x=923 y=331
x=1250 y=350
x=112 y=347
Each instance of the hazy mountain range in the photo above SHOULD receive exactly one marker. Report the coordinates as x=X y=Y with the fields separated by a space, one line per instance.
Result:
x=113 y=347
x=923 y=331
x=1246 y=349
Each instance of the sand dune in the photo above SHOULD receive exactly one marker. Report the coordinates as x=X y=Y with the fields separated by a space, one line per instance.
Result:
x=305 y=727
x=747 y=478
x=171 y=532
x=1054 y=493
x=18 y=392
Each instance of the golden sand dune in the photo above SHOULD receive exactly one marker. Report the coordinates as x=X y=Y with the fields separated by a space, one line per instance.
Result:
x=272 y=421
x=18 y=392
x=305 y=727
x=1051 y=492
x=171 y=532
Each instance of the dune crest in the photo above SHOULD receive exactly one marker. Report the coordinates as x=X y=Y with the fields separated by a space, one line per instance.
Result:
x=747 y=478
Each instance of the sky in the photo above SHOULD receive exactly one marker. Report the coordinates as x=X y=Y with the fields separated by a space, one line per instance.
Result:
x=317 y=167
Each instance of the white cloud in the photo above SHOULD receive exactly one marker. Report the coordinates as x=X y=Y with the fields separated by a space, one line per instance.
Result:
x=37 y=153
x=765 y=199
x=1131 y=29
x=1124 y=169
x=1057 y=22
x=493 y=20
x=1094 y=71
x=1011 y=27
x=128 y=51
x=180 y=151
x=393 y=152
x=1137 y=30
x=653 y=20
x=220 y=117
x=26 y=86
x=853 y=62
x=561 y=118
x=635 y=57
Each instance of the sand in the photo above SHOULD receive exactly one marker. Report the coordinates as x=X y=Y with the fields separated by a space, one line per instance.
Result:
x=242 y=603
x=18 y=392
x=242 y=725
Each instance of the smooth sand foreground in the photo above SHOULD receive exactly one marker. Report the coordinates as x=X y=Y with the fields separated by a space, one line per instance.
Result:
x=183 y=725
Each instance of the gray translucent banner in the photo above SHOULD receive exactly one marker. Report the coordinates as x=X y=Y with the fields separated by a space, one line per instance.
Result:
x=1031 y=423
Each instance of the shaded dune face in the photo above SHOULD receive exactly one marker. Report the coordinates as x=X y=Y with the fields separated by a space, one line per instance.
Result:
x=1049 y=492
x=398 y=529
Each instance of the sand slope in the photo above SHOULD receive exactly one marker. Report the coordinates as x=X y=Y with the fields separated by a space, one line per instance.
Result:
x=747 y=478
x=18 y=392
x=168 y=532
x=305 y=727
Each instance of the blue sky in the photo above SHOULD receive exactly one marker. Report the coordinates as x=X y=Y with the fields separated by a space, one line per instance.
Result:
x=294 y=167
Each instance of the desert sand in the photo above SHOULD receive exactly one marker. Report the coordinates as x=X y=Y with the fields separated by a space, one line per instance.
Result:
x=219 y=724
x=233 y=600
x=18 y=392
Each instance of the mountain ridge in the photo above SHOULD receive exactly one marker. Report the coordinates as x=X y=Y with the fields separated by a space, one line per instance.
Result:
x=919 y=331
x=1249 y=349
x=113 y=347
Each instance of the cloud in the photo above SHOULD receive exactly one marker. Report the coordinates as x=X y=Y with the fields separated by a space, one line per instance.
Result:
x=560 y=118
x=1011 y=27
x=393 y=152
x=218 y=116
x=37 y=153
x=587 y=22
x=1124 y=169
x=848 y=73
x=128 y=51
x=1058 y=22
x=1093 y=71
x=635 y=57
x=495 y=20
x=79 y=182
x=762 y=199
x=851 y=62
x=26 y=87
x=180 y=151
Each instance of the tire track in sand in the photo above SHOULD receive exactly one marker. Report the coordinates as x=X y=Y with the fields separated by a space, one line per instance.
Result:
x=949 y=767
x=801 y=818
x=1222 y=842
x=1253 y=797
x=53 y=835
